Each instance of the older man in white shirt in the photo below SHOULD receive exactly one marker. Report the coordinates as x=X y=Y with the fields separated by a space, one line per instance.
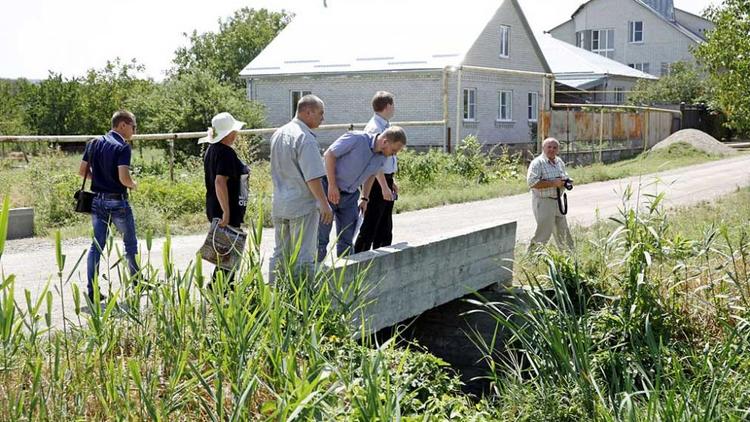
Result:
x=546 y=178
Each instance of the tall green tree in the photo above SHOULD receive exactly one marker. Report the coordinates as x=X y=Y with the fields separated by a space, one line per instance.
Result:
x=52 y=106
x=683 y=84
x=11 y=106
x=187 y=102
x=726 y=57
x=78 y=106
x=224 y=54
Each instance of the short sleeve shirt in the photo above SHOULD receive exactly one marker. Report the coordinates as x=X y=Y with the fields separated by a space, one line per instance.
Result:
x=542 y=169
x=222 y=160
x=356 y=159
x=295 y=160
x=377 y=125
x=105 y=154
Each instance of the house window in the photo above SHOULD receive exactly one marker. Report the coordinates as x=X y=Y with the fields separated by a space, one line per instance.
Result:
x=643 y=67
x=533 y=106
x=505 y=106
x=583 y=39
x=295 y=97
x=635 y=31
x=666 y=68
x=470 y=104
x=504 y=41
x=603 y=42
x=619 y=95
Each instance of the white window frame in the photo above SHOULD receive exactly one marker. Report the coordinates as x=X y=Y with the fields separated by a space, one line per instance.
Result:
x=299 y=93
x=470 y=104
x=507 y=106
x=532 y=112
x=633 y=32
x=604 y=49
x=666 y=69
x=619 y=95
x=643 y=67
x=504 y=41
x=581 y=39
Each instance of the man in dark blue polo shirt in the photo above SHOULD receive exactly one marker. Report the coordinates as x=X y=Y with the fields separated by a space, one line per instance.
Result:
x=352 y=161
x=106 y=162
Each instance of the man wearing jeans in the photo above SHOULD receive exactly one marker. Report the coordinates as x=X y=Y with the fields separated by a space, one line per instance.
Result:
x=106 y=162
x=352 y=161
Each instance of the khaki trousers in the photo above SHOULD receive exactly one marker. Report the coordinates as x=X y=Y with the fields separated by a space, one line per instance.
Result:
x=288 y=234
x=549 y=220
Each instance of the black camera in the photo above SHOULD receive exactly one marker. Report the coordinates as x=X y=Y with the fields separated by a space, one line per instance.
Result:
x=568 y=183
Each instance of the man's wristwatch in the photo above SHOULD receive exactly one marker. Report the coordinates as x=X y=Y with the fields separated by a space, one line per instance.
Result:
x=364 y=199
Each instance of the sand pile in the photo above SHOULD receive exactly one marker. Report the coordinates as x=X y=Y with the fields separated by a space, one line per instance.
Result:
x=699 y=140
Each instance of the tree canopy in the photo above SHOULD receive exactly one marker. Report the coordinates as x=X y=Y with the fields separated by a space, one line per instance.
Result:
x=204 y=81
x=224 y=54
x=726 y=57
x=683 y=84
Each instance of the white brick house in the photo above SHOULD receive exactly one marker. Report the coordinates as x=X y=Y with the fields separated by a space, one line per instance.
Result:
x=648 y=35
x=423 y=54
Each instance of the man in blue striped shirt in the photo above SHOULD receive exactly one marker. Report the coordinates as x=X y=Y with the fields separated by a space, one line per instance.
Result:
x=352 y=161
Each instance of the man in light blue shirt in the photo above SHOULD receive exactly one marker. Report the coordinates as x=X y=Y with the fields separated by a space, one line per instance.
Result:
x=299 y=201
x=352 y=161
x=377 y=227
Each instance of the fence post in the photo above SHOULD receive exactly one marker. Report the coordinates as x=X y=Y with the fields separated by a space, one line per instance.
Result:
x=448 y=140
x=645 y=131
x=171 y=158
x=601 y=132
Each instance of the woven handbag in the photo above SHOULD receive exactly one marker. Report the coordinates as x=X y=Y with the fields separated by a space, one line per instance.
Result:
x=223 y=246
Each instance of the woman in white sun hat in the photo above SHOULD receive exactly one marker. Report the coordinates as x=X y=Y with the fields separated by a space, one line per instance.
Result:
x=225 y=174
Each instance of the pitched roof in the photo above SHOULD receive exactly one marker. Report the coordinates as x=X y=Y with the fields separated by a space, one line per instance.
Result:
x=568 y=61
x=369 y=36
x=675 y=24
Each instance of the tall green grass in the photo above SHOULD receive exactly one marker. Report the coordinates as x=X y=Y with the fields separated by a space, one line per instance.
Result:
x=642 y=324
x=178 y=347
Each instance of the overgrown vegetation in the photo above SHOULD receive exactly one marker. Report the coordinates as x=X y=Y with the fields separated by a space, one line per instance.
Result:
x=648 y=321
x=684 y=83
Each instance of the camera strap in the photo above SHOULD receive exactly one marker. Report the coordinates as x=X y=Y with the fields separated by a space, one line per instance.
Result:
x=562 y=202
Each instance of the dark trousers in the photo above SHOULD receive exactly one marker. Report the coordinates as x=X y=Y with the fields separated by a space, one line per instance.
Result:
x=377 y=227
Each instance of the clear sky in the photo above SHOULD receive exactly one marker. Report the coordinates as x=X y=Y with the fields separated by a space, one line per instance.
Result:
x=71 y=36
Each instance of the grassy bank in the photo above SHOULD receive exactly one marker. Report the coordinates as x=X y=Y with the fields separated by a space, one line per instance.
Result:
x=425 y=180
x=647 y=320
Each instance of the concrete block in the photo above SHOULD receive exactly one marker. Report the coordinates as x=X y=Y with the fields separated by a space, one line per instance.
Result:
x=405 y=280
x=20 y=223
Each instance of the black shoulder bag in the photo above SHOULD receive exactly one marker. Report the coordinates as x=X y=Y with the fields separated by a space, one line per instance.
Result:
x=83 y=198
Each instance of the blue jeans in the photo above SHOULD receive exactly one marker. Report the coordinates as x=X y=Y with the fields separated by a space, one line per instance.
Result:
x=345 y=215
x=119 y=213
